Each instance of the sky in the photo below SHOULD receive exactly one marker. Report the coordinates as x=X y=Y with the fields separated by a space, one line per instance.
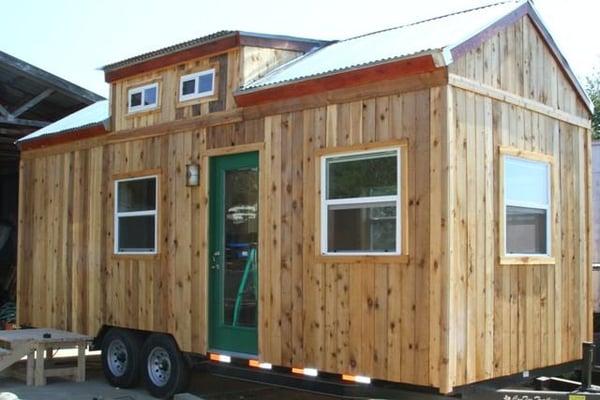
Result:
x=74 y=38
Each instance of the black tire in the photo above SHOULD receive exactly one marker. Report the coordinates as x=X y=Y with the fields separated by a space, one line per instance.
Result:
x=164 y=369
x=122 y=367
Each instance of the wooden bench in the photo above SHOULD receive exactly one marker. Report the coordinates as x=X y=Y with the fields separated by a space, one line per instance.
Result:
x=38 y=345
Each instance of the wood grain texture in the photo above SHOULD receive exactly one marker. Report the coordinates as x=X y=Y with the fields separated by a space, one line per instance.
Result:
x=518 y=60
x=531 y=317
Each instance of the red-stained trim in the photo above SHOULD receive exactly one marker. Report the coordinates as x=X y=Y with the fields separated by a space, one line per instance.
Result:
x=63 y=137
x=377 y=73
x=202 y=50
x=278 y=43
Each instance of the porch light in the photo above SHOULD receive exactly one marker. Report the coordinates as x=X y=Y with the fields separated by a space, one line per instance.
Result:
x=192 y=174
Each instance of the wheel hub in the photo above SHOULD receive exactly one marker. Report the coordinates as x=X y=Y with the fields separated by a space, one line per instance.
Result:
x=159 y=366
x=117 y=358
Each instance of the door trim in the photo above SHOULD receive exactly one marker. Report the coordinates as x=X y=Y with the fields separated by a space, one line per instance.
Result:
x=263 y=260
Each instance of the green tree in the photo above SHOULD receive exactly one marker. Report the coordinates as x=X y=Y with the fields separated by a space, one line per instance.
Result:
x=593 y=89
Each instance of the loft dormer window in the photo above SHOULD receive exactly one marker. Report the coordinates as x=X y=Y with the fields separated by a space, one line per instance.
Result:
x=143 y=98
x=197 y=85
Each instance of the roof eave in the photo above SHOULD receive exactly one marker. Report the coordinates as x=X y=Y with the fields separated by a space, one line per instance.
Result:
x=82 y=132
x=218 y=44
x=113 y=72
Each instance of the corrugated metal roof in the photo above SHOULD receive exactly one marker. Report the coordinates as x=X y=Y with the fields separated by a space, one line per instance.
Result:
x=168 y=50
x=93 y=114
x=437 y=34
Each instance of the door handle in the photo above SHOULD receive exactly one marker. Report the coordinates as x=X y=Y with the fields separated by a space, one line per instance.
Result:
x=214 y=261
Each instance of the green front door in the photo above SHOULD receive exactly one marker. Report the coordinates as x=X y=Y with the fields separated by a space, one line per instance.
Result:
x=233 y=253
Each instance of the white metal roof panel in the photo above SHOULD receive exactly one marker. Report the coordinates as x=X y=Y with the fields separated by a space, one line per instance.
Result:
x=91 y=115
x=422 y=37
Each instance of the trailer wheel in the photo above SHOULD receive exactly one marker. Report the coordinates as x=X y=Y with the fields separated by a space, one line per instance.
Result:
x=164 y=369
x=121 y=357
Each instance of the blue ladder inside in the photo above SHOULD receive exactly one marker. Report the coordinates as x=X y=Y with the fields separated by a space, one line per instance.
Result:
x=250 y=266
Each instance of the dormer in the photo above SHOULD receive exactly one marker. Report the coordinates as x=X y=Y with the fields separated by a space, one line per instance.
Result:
x=195 y=78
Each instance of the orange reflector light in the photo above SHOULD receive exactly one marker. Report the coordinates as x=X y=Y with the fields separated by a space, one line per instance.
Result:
x=220 y=358
x=257 y=364
x=357 y=378
x=305 y=371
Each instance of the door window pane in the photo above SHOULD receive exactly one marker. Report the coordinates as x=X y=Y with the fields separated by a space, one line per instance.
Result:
x=525 y=230
x=240 y=288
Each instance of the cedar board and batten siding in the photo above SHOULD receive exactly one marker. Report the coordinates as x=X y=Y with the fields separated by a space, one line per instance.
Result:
x=365 y=318
x=536 y=314
x=447 y=315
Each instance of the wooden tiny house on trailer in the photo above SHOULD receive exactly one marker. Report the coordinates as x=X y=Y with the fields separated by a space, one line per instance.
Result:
x=410 y=206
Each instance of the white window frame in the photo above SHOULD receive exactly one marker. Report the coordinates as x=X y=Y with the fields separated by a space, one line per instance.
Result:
x=142 y=89
x=397 y=199
x=196 y=94
x=118 y=215
x=538 y=206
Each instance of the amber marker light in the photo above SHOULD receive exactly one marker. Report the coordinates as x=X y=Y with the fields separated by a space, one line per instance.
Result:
x=305 y=371
x=357 y=378
x=220 y=358
x=257 y=364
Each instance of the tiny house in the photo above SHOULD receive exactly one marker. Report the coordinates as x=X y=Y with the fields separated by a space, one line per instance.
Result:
x=411 y=206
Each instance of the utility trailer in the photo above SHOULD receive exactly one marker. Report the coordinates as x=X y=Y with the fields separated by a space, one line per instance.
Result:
x=410 y=206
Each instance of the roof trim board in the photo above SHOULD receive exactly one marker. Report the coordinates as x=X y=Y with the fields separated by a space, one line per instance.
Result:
x=51 y=139
x=201 y=47
x=422 y=63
